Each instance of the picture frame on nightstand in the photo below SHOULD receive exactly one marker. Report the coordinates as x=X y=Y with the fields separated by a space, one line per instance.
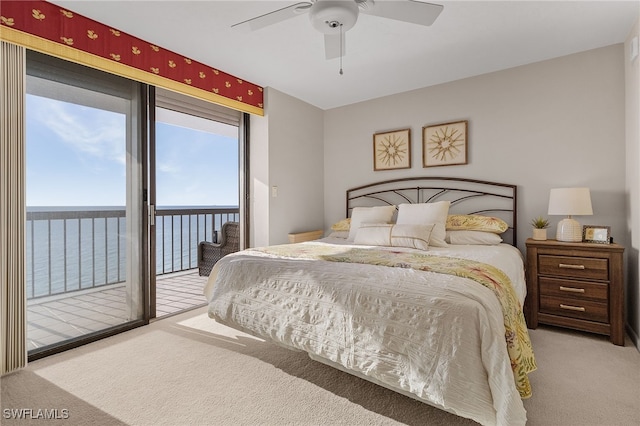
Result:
x=596 y=234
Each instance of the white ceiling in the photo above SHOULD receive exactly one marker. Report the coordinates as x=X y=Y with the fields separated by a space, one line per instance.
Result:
x=383 y=56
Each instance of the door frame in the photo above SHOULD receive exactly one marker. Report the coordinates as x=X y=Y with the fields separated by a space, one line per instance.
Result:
x=149 y=215
x=151 y=193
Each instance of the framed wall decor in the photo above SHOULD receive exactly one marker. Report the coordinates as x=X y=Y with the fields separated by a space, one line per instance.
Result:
x=596 y=234
x=444 y=144
x=392 y=150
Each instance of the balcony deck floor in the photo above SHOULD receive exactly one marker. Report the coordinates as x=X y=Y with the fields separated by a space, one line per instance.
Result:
x=56 y=319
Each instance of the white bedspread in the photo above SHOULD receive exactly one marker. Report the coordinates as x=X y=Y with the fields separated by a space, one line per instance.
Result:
x=438 y=338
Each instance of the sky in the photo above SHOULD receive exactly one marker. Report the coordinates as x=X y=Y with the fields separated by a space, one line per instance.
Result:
x=76 y=156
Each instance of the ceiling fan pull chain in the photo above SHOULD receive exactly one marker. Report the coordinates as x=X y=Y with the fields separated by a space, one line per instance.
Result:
x=340 y=49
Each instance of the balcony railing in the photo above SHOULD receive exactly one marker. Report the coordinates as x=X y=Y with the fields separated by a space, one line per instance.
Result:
x=178 y=232
x=71 y=250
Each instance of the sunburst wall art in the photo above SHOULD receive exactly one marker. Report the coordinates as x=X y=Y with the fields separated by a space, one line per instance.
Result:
x=444 y=144
x=392 y=150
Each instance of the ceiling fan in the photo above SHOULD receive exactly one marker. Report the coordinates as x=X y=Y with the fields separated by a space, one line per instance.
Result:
x=334 y=17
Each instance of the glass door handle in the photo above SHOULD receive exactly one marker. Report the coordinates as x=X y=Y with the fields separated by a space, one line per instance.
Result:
x=152 y=215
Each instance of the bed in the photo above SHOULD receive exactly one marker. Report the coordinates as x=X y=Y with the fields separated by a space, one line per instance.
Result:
x=419 y=289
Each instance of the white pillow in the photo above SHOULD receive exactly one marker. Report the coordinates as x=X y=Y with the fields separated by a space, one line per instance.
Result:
x=413 y=236
x=424 y=214
x=360 y=215
x=473 y=237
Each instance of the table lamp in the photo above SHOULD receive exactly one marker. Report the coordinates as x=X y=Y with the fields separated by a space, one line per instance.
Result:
x=570 y=202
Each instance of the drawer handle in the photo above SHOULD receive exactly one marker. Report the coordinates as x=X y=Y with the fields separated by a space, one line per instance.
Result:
x=571 y=289
x=568 y=266
x=572 y=308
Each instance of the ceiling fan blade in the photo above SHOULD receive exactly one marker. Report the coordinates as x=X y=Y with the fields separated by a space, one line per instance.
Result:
x=332 y=45
x=273 y=17
x=416 y=12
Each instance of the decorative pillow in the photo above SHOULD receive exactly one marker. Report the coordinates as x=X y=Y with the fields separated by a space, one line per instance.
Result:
x=343 y=225
x=413 y=236
x=424 y=214
x=475 y=222
x=360 y=215
x=473 y=237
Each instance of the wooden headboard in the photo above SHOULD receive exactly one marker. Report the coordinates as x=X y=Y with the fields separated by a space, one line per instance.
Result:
x=467 y=196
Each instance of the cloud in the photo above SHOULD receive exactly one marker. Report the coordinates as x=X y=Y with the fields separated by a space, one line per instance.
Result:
x=167 y=167
x=91 y=131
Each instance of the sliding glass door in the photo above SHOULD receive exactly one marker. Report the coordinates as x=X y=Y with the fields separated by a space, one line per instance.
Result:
x=195 y=175
x=122 y=183
x=85 y=227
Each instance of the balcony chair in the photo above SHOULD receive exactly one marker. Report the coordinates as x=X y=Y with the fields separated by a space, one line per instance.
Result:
x=209 y=253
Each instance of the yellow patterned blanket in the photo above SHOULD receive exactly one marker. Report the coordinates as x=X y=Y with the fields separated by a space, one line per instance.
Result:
x=517 y=337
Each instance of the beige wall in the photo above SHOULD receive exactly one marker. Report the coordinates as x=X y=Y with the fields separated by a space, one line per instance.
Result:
x=290 y=137
x=549 y=124
x=259 y=180
x=632 y=127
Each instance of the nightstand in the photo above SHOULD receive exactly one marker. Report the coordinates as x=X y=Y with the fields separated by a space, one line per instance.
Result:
x=576 y=285
x=300 y=237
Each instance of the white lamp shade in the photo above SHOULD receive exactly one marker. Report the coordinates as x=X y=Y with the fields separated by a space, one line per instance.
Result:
x=570 y=202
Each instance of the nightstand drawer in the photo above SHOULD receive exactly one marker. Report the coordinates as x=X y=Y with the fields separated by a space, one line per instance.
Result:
x=574 y=308
x=576 y=267
x=582 y=290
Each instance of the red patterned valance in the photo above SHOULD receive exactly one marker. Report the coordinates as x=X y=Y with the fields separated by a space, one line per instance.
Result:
x=50 y=29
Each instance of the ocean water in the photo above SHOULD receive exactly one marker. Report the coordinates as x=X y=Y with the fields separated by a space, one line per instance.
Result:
x=74 y=248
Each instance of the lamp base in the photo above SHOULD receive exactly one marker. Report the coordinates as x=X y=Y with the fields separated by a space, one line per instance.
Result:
x=569 y=230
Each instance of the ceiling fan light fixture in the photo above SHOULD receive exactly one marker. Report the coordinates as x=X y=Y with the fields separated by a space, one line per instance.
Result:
x=332 y=16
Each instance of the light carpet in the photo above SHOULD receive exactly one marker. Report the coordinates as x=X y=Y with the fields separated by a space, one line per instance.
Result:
x=189 y=370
